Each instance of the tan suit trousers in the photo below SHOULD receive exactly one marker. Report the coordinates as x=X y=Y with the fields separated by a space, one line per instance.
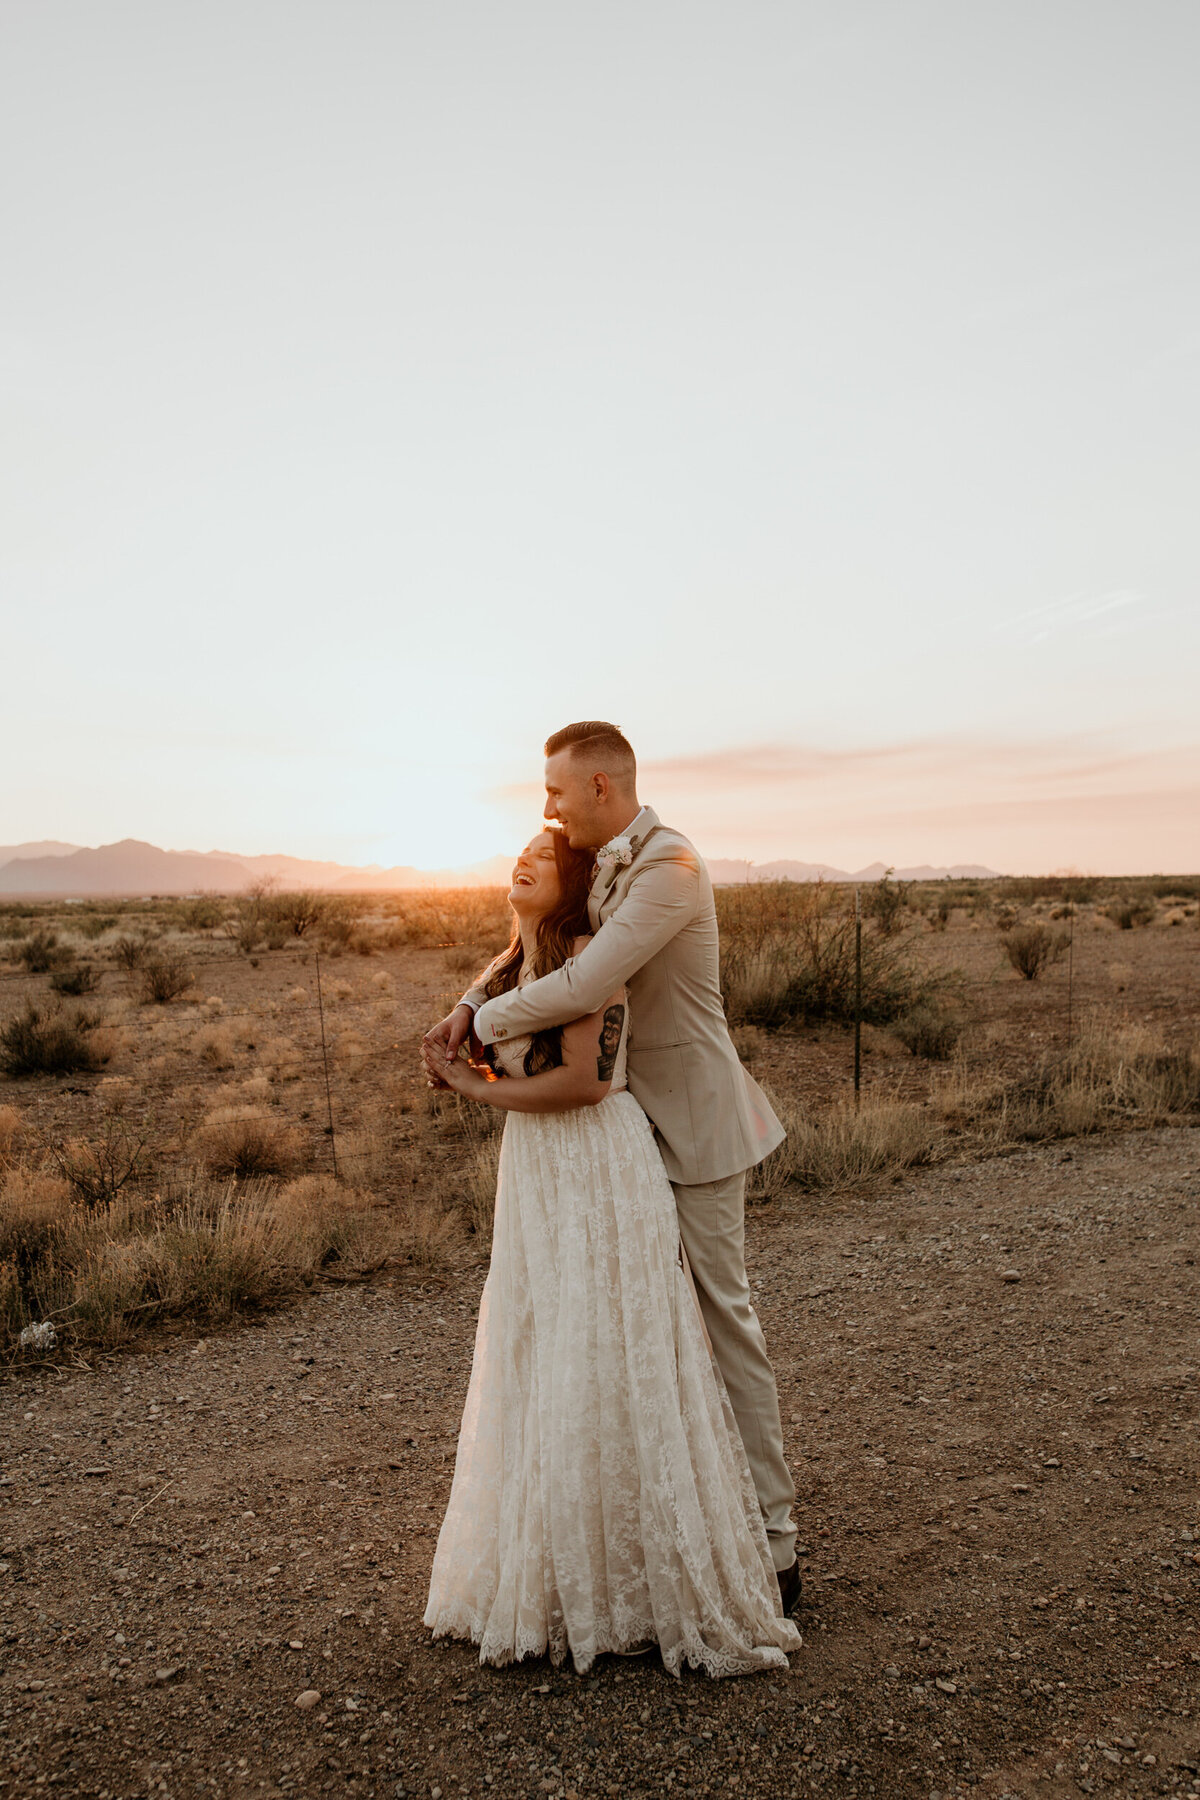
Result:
x=713 y=1228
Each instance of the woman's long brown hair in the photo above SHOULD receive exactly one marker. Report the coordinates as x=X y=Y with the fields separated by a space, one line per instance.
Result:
x=556 y=934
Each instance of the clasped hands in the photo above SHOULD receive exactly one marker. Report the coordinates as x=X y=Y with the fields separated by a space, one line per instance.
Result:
x=440 y=1047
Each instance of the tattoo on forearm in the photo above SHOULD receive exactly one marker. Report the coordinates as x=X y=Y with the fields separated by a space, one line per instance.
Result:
x=610 y=1042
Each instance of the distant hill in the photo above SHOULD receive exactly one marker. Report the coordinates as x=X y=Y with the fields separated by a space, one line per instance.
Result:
x=725 y=873
x=47 y=847
x=132 y=867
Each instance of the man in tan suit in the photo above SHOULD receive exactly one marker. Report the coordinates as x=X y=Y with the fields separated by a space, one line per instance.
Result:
x=655 y=925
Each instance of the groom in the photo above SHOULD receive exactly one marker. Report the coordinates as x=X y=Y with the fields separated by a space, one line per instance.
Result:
x=655 y=926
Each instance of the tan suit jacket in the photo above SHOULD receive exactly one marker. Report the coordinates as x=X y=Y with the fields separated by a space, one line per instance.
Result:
x=655 y=928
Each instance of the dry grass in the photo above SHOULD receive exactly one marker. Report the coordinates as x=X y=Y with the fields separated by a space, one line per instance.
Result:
x=244 y=1141
x=201 y=1250
x=844 y=1145
x=214 y=1046
x=11 y=1133
x=53 y=1040
x=479 y=1187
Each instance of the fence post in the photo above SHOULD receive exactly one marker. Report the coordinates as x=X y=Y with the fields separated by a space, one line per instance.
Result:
x=1070 y=971
x=325 y=1061
x=857 y=993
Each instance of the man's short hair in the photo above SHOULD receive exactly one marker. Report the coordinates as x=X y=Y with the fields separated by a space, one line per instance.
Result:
x=602 y=744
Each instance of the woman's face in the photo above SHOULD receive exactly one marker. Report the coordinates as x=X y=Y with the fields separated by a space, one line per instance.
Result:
x=536 y=889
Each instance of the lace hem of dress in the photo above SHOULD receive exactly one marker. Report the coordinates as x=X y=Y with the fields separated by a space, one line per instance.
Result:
x=499 y=1650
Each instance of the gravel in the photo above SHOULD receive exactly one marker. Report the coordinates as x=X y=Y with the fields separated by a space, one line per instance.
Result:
x=215 y=1551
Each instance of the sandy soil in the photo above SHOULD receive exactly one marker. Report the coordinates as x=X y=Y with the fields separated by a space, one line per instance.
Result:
x=988 y=1377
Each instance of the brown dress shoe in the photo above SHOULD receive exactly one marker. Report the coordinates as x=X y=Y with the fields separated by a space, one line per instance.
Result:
x=789 y=1589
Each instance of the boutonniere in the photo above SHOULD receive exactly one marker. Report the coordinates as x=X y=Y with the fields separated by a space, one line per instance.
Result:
x=616 y=854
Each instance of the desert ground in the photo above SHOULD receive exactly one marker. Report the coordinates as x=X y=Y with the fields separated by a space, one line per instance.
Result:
x=221 y=1485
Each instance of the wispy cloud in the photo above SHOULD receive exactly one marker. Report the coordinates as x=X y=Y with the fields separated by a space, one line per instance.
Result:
x=1077 y=614
x=1081 y=798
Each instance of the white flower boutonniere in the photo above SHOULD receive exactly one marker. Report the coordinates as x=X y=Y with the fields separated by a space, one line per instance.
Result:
x=616 y=854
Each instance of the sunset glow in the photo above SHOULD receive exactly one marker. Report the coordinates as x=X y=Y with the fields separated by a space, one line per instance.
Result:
x=388 y=393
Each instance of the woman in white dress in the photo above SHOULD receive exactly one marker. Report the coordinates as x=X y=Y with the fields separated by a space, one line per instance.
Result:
x=601 y=1498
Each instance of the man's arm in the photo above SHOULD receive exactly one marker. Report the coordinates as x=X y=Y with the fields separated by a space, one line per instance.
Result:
x=661 y=900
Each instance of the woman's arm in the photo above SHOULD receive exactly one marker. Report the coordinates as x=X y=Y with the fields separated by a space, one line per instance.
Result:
x=583 y=1078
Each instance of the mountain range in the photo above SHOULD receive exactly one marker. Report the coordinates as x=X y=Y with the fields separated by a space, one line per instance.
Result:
x=50 y=868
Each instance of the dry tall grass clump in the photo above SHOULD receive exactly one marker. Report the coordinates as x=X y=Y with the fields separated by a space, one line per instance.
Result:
x=244 y=1141
x=479 y=1187
x=11 y=1133
x=788 y=955
x=54 y=1040
x=214 y=1046
x=846 y=1144
x=200 y=1250
x=1116 y=1073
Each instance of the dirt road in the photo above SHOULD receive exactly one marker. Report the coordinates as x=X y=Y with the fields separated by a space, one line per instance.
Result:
x=988 y=1377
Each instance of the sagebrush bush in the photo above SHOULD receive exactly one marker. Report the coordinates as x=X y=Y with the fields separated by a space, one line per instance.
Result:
x=128 y=951
x=930 y=1030
x=165 y=976
x=1130 y=914
x=787 y=955
x=50 y=1040
x=75 y=978
x=1031 y=948
x=42 y=952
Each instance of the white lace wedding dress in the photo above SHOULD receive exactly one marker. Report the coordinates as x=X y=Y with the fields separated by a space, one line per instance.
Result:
x=601 y=1494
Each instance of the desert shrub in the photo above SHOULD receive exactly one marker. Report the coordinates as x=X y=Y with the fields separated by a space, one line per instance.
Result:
x=449 y=916
x=788 y=955
x=94 y=925
x=1031 y=948
x=295 y=913
x=244 y=1141
x=164 y=977
x=42 y=952
x=129 y=951
x=75 y=978
x=844 y=1145
x=931 y=1030
x=884 y=901
x=205 y=913
x=53 y=1041
x=214 y=1046
x=1131 y=914
x=940 y=911
x=97 y=1170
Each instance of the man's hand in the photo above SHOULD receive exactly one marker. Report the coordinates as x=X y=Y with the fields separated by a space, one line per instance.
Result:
x=444 y=1040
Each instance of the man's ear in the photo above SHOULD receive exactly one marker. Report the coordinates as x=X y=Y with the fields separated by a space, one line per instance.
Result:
x=600 y=786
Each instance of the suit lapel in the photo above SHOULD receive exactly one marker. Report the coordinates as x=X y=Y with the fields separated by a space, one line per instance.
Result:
x=603 y=895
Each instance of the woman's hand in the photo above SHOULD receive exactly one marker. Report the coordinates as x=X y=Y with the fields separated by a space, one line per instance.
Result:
x=452 y=1072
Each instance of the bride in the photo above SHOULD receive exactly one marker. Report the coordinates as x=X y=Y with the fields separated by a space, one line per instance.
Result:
x=601 y=1498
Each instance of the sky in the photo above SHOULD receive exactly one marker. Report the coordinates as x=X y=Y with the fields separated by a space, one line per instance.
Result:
x=811 y=389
